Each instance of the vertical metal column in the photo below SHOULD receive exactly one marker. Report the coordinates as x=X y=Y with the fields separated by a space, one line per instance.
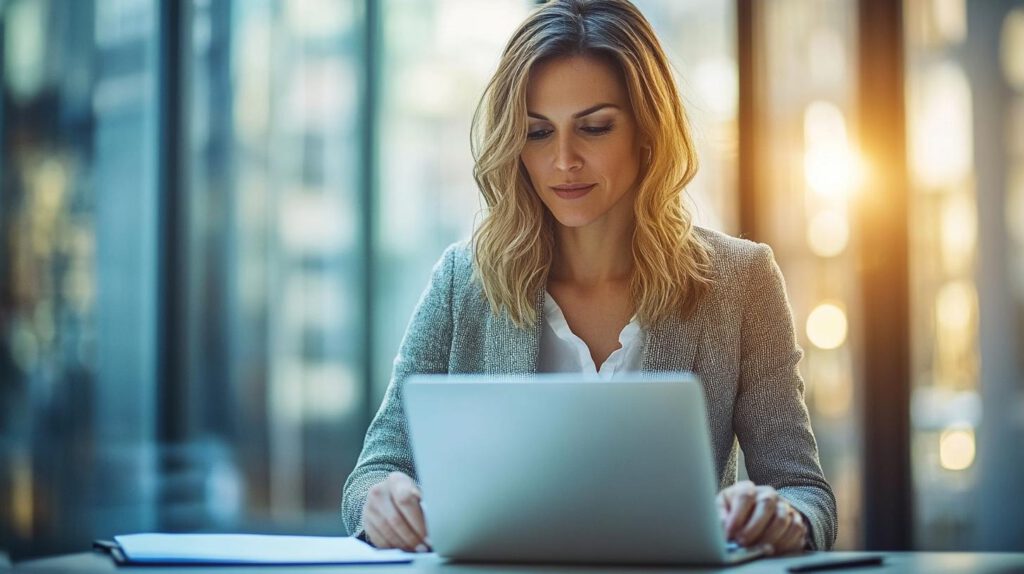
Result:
x=881 y=228
x=368 y=186
x=748 y=42
x=172 y=249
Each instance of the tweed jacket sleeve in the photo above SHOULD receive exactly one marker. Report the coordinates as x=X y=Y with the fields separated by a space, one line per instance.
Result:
x=425 y=348
x=770 y=417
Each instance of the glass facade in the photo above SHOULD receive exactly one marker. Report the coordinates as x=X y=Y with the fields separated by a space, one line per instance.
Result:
x=78 y=276
x=964 y=101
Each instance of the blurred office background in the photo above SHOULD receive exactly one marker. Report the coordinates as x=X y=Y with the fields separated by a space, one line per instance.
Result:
x=217 y=215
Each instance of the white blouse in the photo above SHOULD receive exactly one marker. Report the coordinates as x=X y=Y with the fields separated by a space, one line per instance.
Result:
x=561 y=351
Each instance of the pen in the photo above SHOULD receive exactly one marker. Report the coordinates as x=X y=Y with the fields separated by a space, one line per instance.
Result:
x=837 y=564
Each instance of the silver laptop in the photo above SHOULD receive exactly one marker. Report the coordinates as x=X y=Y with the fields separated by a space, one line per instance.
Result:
x=566 y=469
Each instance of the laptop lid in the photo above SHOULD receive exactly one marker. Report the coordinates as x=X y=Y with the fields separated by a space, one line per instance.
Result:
x=545 y=469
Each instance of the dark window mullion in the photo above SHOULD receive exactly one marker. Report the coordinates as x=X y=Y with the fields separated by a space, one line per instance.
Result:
x=368 y=187
x=882 y=225
x=173 y=273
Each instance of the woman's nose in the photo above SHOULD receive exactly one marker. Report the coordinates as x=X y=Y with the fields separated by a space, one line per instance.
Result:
x=567 y=158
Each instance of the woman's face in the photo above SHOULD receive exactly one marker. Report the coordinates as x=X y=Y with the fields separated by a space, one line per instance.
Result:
x=581 y=151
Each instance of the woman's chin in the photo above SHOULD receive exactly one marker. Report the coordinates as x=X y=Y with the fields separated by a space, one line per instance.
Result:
x=574 y=220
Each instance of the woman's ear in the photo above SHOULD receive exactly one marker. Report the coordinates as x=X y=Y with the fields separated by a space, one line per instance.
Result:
x=646 y=153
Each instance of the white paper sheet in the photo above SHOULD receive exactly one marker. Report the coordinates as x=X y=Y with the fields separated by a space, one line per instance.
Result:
x=253 y=549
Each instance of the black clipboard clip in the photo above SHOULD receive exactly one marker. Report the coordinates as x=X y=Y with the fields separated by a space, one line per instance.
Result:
x=113 y=549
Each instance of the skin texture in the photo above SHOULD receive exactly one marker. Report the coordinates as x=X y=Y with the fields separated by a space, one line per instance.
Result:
x=590 y=270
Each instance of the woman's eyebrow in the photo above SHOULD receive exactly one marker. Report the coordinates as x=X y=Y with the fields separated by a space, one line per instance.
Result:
x=577 y=115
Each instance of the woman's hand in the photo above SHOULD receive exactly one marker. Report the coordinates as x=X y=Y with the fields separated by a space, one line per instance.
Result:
x=757 y=515
x=392 y=515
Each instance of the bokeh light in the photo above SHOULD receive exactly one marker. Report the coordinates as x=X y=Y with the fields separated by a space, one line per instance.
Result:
x=828 y=233
x=959 y=232
x=950 y=18
x=941 y=131
x=826 y=326
x=1012 y=48
x=956 y=448
x=954 y=306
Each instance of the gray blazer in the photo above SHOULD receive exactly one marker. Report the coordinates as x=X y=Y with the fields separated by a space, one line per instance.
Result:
x=739 y=341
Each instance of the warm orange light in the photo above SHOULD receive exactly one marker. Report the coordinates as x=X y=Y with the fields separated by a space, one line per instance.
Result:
x=831 y=168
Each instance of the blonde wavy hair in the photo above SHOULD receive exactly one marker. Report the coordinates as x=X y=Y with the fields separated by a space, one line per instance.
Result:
x=513 y=244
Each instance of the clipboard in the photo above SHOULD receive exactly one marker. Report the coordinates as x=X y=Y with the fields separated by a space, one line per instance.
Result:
x=155 y=549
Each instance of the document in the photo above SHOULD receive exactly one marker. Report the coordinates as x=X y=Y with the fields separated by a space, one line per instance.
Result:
x=252 y=549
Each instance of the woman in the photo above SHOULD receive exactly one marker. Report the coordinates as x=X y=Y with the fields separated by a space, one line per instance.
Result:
x=586 y=261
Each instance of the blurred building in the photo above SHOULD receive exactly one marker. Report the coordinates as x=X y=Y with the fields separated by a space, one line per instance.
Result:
x=217 y=215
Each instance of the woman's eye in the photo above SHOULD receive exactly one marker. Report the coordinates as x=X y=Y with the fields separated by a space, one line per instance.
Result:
x=592 y=130
x=598 y=129
x=537 y=134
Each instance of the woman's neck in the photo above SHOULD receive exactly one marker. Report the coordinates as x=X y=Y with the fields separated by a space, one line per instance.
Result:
x=598 y=253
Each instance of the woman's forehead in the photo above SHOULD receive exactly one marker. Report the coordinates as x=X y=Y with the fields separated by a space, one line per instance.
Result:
x=565 y=86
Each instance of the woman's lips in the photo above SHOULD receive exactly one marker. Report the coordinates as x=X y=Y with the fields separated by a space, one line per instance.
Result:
x=573 y=191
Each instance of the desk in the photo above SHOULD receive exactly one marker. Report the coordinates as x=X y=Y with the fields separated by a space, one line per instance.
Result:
x=913 y=562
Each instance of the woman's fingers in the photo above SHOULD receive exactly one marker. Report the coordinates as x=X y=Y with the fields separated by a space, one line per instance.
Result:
x=377 y=530
x=393 y=516
x=795 y=537
x=778 y=528
x=741 y=503
x=722 y=502
x=398 y=524
x=761 y=517
x=406 y=500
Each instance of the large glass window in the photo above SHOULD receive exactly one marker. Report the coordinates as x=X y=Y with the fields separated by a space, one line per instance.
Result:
x=78 y=276
x=965 y=102
x=275 y=250
x=437 y=59
x=700 y=40
x=810 y=172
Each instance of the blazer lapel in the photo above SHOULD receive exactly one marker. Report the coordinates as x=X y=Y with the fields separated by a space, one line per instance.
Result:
x=672 y=343
x=510 y=350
